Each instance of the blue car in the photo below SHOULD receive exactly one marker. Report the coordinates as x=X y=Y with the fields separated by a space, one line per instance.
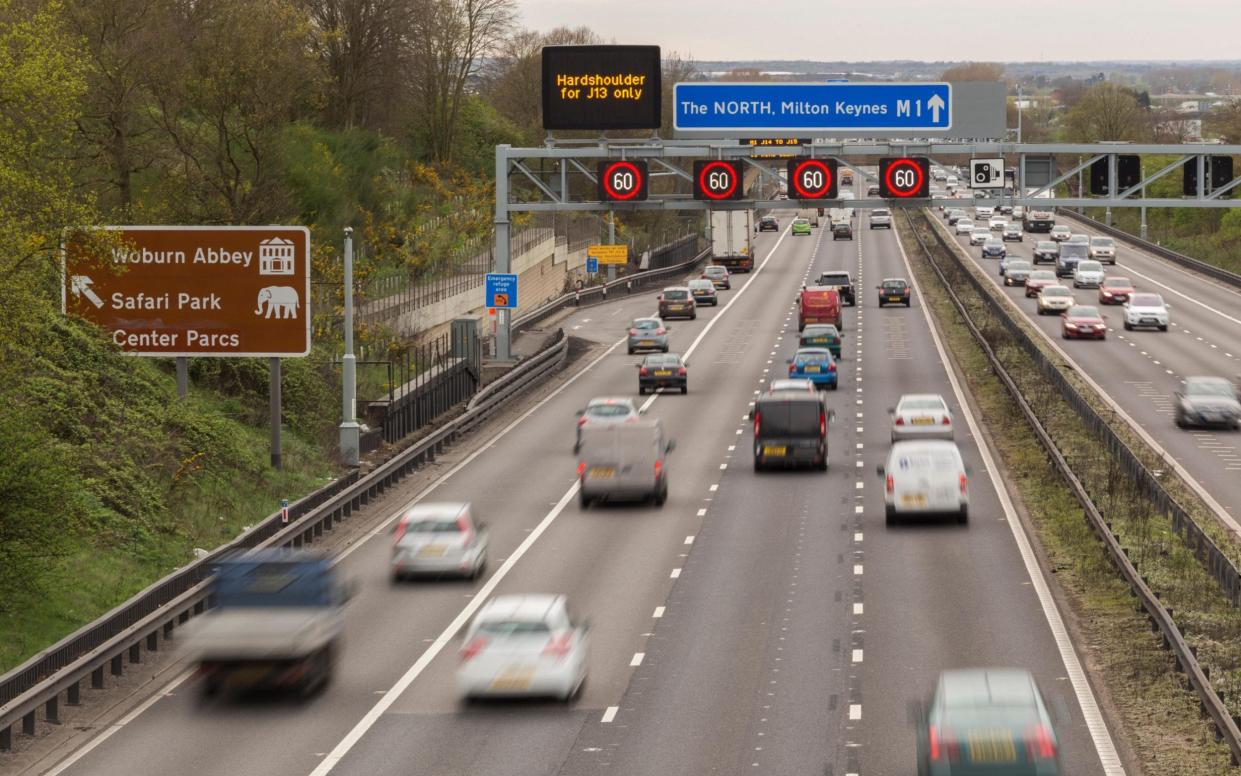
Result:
x=815 y=365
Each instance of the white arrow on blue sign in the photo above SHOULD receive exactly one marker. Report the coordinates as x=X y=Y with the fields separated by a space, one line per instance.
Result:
x=827 y=107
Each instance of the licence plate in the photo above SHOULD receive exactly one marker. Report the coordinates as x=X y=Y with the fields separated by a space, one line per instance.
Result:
x=923 y=421
x=511 y=679
x=646 y=342
x=817 y=341
x=895 y=299
x=432 y=551
x=1149 y=320
x=913 y=500
x=810 y=369
x=776 y=450
x=663 y=372
x=602 y=471
x=992 y=749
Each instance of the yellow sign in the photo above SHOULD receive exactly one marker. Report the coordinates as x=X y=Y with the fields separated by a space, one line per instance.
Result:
x=609 y=254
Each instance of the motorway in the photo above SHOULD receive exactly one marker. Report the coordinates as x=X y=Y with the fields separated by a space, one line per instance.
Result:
x=1141 y=369
x=758 y=623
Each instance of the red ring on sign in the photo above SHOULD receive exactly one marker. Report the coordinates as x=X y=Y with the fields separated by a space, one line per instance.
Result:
x=827 y=178
x=706 y=169
x=894 y=190
x=637 y=180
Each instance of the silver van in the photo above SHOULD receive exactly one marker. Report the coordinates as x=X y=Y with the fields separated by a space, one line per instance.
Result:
x=627 y=461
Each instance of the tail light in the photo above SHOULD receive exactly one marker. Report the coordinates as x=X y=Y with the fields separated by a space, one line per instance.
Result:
x=822 y=424
x=659 y=468
x=633 y=332
x=946 y=421
x=581 y=421
x=661 y=330
x=644 y=371
x=891 y=485
x=943 y=746
x=472 y=648
x=964 y=483
x=758 y=422
x=899 y=421
x=463 y=526
x=933 y=733
x=1039 y=744
x=792 y=368
x=558 y=646
x=581 y=468
x=681 y=372
x=401 y=528
x=831 y=367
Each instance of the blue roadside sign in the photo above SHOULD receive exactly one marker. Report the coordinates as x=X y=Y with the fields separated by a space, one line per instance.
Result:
x=764 y=107
x=592 y=265
x=501 y=290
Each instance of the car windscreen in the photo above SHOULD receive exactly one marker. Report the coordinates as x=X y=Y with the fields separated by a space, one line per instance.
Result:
x=675 y=295
x=1089 y=266
x=1102 y=242
x=1056 y=291
x=1074 y=251
x=1116 y=283
x=789 y=418
x=1146 y=300
x=1082 y=311
x=1012 y=265
x=1043 y=274
x=1047 y=245
x=514 y=628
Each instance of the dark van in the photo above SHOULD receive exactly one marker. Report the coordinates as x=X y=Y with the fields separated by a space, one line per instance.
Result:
x=790 y=429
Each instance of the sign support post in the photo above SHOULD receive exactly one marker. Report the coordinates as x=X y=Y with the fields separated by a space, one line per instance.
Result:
x=183 y=376
x=274 y=410
x=349 y=431
x=503 y=262
x=611 y=241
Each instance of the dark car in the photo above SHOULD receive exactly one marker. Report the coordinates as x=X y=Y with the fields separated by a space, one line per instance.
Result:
x=1070 y=255
x=1046 y=250
x=677 y=301
x=790 y=429
x=842 y=230
x=703 y=291
x=663 y=370
x=842 y=281
x=768 y=224
x=1208 y=401
x=893 y=291
x=872 y=190
x=994 y=249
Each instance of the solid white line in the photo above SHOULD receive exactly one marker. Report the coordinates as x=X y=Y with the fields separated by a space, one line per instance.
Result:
x=351 y=739
x=659 y=612
x=637 y=659
x=609 y=713
x=1093 y=717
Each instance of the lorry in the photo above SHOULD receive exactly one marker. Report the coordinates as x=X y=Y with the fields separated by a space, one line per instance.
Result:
x=731 y=235
x=276 y=624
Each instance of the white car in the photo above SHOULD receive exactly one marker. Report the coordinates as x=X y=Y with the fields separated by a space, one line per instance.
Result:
x=997 y=223
x=952 y=182
x=925 y=477
x=438 y=539
x=523 y=645
x=1103 y=249
x=983 y=211
x=1060 y=233
x=1088 y=274
x=620 y=409
x=964 y=226
x=1146 y=310
x=880 y=217
x=921 y=416
x=1012 y=233
x=979 y=235
x=1019 y=212
x=1055 y=299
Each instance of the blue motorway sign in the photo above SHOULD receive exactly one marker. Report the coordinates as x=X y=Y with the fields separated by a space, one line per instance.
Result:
x=501 y=290
x=827 y=107
x=592 y=265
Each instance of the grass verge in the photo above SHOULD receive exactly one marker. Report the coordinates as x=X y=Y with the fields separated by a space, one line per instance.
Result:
x=1158 y=714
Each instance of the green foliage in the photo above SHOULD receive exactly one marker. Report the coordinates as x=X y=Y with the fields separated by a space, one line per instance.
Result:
x=481 y=128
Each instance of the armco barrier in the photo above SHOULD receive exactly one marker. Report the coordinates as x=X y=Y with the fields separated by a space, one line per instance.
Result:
x=1161 y=618
x=151 y=616
x=1231 y=278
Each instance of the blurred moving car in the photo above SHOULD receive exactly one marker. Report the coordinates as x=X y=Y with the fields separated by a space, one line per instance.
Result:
x=893 y=291
x=768 y=224
x=1082 y=322
x=523 y=645
x=983 y=211
x=815 y=365
x=1046 y=250
x=624 y=462
x=664 y=370
x=801 y=226
x=1115 y=290
x=703 y=291
x=925 y=477
x=881 y=218
x=790 y=429
x=1053 y=299
x=980 y=235
x=821 y=335
x=1060 y=233
x=989 y=721
x=921 y=416
x=647 y=334
x=816 y=304
x=1038 y=280
x=1146 y=310
x=840 y=280
x=1207 y=401
x=1016 y=271
x=438 y=539
x=718 y=275
x=605 y=412
x=677 y=300
x=1088 y=274
x=1103 y=249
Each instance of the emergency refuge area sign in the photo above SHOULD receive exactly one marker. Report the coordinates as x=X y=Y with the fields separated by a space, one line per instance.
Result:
x=194 y=290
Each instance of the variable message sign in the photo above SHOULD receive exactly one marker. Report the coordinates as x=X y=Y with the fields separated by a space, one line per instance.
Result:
x=812 y=179
x=194 y=290
x=601 y=87
x=905 y=177
x=622 y=180
x=718 y=180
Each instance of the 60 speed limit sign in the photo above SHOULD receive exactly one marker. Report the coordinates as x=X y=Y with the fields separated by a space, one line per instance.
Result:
x=906 y=177
x=812 y=179
x=622 y=180
x=718 y=180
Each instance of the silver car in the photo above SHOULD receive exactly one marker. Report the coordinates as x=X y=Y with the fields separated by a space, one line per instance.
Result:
x=524 y=645
x=625 y=461
x=1012 y=233
x=925 y=477
x=1208 y=401
x=605 y=412
x=1103 y=249
x=648 y=334
x=979 y=236
x=438 y=539
x=921 y=416
x=1088 y=274
x=879 y=217
x=963 y=226
x=1146 y=310
x=1060 y=233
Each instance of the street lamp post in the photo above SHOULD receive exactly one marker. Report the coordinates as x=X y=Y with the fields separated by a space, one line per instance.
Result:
x=349 y=430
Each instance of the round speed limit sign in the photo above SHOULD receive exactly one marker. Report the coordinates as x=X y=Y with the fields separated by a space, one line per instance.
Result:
x=717 y=180
x=903 y=178
x=622 y=180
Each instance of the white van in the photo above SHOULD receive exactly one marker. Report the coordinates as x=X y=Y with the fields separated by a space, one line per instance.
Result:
x=624 y=461
x=952 y=183
x=925 y=477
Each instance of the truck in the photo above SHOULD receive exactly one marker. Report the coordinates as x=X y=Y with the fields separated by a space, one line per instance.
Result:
x=731 y=235
x=276 y=624
x=1038 y=218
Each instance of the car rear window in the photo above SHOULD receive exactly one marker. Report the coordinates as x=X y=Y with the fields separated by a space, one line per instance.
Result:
x=789 y=418
x=1056 y=291
x=665 y=360
x=435 y=526
x=508 y=628
x=1146 y=300
x=717 y=270
x=704 y=283
x=928 y=460
x=608 y=410
x=834 y=279
x=922 y=404
x=646 y=324
x=675 y=295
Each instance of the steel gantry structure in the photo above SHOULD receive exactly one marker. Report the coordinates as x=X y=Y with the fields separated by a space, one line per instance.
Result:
x=524 y=182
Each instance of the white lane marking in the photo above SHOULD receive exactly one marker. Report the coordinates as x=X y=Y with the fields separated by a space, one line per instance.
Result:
x=659 y=612
x=857 y=656
x=714 y=487
x=857 y=537
x=702 y=512
x=609 y=714
x=372 y=716
x=689 y=539
x=859 y=485
x=1105 y=747
x=723 y=466
x=675 y=573
x=858 y=509
x=855 y=711
x=857 y=608
x=1203 y=305
x=119 y=724
x=637 y=659
x=857 y=569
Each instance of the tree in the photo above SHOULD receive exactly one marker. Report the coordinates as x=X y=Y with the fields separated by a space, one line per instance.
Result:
x=974 y=71
x=675 y=68
x=1223 y=122
x=450 y=39
x=1106 y=112
x=513 y=80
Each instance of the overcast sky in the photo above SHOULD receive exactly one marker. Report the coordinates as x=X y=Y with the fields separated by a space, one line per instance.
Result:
x=930 y=30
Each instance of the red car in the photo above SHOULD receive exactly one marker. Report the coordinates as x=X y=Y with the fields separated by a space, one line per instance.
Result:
x=1115 y=290
x=1082 y=322
x=1038 y=279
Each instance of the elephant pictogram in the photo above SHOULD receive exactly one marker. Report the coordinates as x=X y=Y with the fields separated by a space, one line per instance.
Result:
x=281 y=301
